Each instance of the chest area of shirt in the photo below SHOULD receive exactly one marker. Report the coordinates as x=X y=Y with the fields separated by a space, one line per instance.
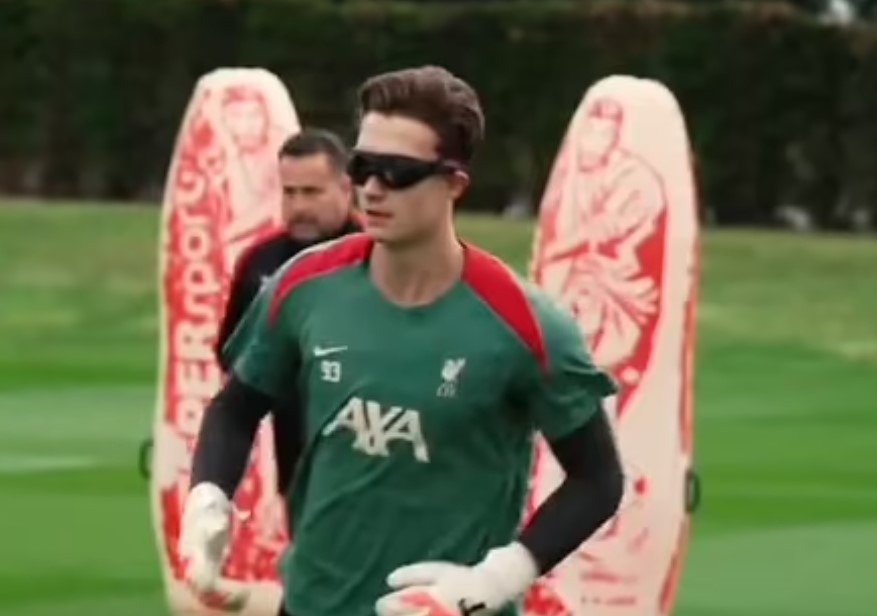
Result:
x=417 y=366
x=446 y=373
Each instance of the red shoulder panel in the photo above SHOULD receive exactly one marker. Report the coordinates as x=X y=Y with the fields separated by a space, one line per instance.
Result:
x=494 y=283
x=346 y=251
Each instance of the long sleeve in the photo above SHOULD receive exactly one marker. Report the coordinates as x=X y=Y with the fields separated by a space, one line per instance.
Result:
x=226 y=435
x=243 y=290
x=565 y=400
x=588 y=496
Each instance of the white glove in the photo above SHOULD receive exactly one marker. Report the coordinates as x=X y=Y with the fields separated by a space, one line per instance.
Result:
x=447 y=589
x=204 y=544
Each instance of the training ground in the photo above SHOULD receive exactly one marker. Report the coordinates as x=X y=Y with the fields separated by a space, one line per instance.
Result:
x=786 y=416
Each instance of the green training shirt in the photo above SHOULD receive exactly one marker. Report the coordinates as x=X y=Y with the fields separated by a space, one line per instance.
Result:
x=419 y=422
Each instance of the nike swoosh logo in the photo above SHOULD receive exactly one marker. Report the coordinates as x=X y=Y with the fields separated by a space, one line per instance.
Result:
x=323 y=351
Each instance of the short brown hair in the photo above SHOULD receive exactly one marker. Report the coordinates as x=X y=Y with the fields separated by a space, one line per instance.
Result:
x=311 y=141
x=436 y=97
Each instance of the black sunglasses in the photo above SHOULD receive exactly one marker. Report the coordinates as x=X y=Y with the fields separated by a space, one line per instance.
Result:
x=395 y=171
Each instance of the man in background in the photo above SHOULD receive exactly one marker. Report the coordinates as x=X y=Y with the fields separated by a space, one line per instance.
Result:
x=317 y=205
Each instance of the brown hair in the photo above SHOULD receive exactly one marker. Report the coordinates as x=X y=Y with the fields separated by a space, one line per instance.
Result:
x=436 y=97
x=311 y=141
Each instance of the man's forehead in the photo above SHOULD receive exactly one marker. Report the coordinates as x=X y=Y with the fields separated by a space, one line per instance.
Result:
x=395 y=134
x=316 y=165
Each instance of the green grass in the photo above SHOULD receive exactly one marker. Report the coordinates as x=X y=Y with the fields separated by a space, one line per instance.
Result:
x=786 y=378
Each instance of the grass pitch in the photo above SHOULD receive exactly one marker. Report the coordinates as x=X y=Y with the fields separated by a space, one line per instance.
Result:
x=786 y=416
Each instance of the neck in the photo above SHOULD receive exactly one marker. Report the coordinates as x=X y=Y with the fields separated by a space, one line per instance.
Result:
x=420 y=273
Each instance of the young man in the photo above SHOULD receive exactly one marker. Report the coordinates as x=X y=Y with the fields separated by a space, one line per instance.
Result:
x=425 y=368
x=317 y=205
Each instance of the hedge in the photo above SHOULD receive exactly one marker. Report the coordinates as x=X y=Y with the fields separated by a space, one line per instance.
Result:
x=780 y=107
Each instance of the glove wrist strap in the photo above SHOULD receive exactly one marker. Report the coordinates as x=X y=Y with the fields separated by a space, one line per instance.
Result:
x=512 y=567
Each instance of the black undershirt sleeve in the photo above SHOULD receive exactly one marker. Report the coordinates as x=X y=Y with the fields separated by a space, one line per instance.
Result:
x=243 y=291
x=588 y=496
x=226 y=436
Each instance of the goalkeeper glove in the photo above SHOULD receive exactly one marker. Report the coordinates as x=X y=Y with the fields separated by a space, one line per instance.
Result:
x=204 y=544
x=447 y=589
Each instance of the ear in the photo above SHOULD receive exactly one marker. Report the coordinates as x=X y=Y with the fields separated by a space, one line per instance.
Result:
x=346 y=184
x=459 y=181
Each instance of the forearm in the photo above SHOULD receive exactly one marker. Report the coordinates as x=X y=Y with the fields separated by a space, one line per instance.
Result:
x=288 y=438
x=228 y=429
x=585 y=500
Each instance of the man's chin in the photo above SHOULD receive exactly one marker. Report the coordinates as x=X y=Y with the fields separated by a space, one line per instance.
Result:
x=392 y=241
x=305 y=234
x=379 y=233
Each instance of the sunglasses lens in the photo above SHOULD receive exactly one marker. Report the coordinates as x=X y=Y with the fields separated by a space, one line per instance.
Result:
x=359 y=169
x=394 y=172
x=404 y=174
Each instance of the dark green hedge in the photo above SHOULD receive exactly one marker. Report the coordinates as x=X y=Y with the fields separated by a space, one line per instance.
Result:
x=781 y=109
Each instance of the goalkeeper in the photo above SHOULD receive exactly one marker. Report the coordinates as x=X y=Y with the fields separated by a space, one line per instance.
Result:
x=425 y=368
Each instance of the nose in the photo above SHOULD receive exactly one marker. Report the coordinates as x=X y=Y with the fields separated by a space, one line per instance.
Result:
x=291 y=201
x=296 y=205
x=373 y=188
